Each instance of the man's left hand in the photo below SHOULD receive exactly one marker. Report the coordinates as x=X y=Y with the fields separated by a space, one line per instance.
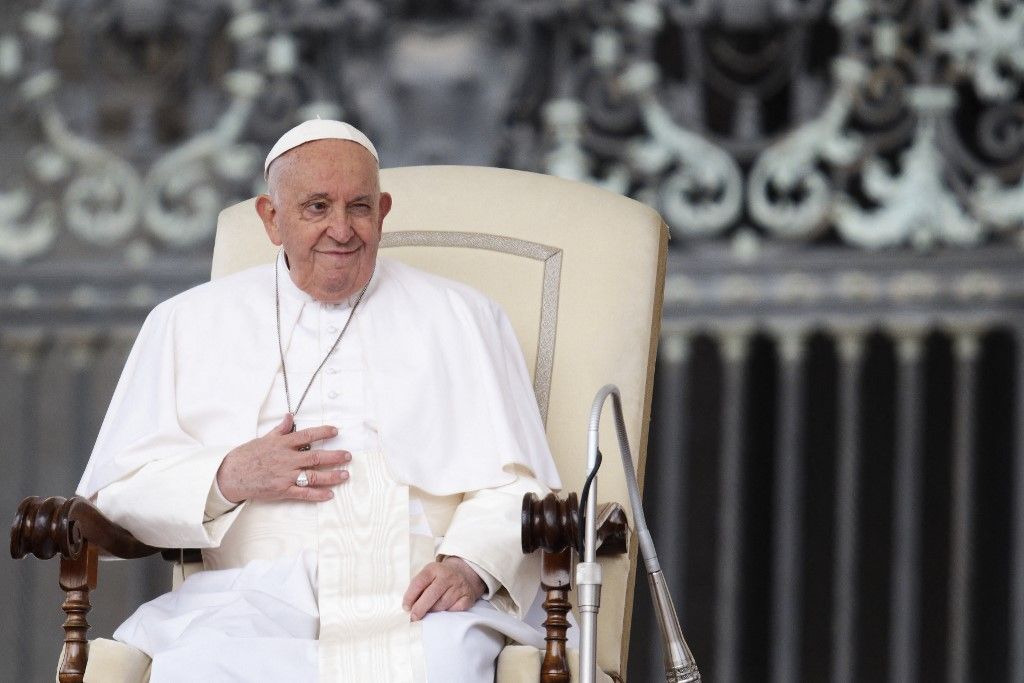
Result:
x=450 y=585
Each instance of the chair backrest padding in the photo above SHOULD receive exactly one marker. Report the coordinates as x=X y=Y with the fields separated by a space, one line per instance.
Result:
x=579 y=270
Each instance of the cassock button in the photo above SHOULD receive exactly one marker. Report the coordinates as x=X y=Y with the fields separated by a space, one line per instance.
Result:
x=332 y=329
x=332 y=394
x=331 y=371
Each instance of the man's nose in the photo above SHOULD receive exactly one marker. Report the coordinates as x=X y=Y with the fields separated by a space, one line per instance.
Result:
x=341 y=229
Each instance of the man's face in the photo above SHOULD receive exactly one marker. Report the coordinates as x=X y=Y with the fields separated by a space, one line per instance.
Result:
x=326 y=208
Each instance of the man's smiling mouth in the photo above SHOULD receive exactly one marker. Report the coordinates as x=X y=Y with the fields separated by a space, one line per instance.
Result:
x=337 y=252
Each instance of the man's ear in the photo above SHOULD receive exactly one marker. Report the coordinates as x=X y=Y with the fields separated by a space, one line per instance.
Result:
x=265 y=208
x=384 y=207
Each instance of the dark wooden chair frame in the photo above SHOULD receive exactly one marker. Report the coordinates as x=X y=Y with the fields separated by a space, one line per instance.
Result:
x=77 y=531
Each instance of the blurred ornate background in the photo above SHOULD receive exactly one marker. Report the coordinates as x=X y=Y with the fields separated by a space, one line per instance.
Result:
x=836 y=476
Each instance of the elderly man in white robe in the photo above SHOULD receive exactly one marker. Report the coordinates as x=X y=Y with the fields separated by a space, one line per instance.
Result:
x=347 y=439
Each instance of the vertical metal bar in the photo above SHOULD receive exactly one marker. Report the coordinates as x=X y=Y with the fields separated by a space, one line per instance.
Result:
x=1016 y=664
x=671 y=482
x=23 y=347
x=847 y=492
x=730 y=507
x=905 y=579
x=789 y=473
x=962 y=517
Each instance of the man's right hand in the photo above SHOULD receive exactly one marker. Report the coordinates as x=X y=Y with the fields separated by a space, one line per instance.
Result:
x=266 y=468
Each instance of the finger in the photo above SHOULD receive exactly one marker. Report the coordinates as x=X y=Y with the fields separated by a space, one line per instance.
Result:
x=430 y=595
x=326 y=477
x=308 y=493
x=319 y=458
x=462 y=604
x=445 y=602
x=285 y=425
x=416 y=586
x=304 y=437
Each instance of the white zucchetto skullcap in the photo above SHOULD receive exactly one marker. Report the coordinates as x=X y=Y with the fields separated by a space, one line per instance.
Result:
x=317 y=129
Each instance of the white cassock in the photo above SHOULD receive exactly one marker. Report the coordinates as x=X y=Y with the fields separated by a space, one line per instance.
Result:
x=430 y=394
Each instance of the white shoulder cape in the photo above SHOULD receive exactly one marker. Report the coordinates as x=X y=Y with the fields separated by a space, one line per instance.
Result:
x=451 y=391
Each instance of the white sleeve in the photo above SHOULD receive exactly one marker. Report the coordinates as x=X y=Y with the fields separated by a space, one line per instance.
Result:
x=147 y=472
x=490 y=582
x=216 y=503
x=486 y=532
x=166 y=503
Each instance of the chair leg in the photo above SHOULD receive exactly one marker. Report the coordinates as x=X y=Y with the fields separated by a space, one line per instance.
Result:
x=77 y=578
x=554 y=578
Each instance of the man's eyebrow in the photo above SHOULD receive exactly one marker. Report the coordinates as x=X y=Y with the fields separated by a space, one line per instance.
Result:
x=315 y=196
x=360 y=198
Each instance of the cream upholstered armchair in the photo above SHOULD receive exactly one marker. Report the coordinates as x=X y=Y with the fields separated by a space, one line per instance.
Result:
x=579 y=271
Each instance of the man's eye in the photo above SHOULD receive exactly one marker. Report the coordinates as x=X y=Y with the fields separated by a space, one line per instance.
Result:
x=317 y=206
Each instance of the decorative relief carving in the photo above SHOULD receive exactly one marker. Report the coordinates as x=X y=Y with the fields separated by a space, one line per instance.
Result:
x=874 y=124
x=855 y=121
x=104 y=91
x=788 y=192
x=915 y=204
x=986 y=43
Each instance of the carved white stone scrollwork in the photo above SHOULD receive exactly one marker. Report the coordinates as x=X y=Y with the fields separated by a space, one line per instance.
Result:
x=704 y=194
x=101 y=201
x=181 y=193
x=98 y=191
x=989 y=44
x=103 y=198
x=916 y=205
x=183 y=188
x=564 y=119
x=790 y=166
x=26 y=230
x=999 y=205
x=746 y=121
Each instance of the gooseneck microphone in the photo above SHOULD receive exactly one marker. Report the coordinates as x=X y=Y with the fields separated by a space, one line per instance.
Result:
x=680 y=666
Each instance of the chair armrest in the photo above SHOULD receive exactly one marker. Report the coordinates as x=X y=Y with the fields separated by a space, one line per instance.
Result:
x=45 y=527
x=76 y=530
x=551 y=525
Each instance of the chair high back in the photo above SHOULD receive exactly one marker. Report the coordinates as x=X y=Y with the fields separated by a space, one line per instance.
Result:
x=579 y=270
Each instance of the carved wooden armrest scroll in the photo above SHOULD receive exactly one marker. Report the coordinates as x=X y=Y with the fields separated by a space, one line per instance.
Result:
x=74 y=529
x=551 y=525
